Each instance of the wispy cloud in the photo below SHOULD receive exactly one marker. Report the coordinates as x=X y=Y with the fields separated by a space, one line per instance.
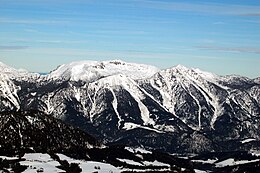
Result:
x=251 y=14
x=252 y=21
x=5 y=48
x=116 y=54
x=208 y=41
x=231 y=49
x=33 y=21
x=47 y=41
x=84 y=53
x=60 y=41
x=33 y=31
x=218 y=23
x=202 y=7
x=212 y=8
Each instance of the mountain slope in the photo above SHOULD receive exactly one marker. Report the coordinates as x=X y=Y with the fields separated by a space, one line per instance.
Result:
x=8 y=94
x=36 y=131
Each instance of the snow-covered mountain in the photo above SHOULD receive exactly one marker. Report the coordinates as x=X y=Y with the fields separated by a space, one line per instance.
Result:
x=176 y=109
x=203 y=98
x=93 y=70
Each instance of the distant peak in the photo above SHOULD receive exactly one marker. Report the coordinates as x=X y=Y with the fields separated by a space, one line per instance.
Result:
x=178 y=69
x=183 y=71
x=181 y=67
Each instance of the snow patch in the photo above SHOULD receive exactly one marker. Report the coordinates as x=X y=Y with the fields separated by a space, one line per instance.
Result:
x=33 y=93
x=211 y=161
x=130 y=162
x=248 y=140
x=155 y=163
x=135 y=150
x=232 y=162
x=40 y=162
x=130 y=126
x=114 y=104
x=77 y=94
x=200 y=171
x=91 y=166
x=255 y=153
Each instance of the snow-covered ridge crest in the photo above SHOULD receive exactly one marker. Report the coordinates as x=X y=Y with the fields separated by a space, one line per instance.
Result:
x=93 y=70
x=193 y=72
x=17 y=74
x=12 y=72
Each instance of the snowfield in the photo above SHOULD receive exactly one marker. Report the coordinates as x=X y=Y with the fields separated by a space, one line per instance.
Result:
x=91 y=166
x=39 y=162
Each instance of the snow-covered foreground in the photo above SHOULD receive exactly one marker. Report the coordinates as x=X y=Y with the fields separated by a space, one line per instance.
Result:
x=57 y=163
x=91 y=166
x=43 y=162
x=39 y=162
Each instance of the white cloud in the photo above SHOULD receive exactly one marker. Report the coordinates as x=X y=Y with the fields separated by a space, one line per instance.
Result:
x=33 y=21
x=208 y=8
x=11 y=48
x=218 y=23
x=231 y=49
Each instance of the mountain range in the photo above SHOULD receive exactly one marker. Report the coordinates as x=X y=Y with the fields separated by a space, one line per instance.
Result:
x=176 y=110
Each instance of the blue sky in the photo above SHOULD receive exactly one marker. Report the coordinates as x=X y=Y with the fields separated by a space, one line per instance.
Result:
x=222 y=37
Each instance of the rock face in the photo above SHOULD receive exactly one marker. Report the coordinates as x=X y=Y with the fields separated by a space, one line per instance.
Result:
x=175 y=110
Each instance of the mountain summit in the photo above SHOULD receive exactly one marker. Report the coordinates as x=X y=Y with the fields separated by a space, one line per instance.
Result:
x=93 y=70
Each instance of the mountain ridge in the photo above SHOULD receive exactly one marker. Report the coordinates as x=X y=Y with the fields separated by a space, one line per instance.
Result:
x=190 y=109
x=117 y=61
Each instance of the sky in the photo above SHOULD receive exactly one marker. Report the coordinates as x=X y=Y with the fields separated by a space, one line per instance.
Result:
x=218 y=36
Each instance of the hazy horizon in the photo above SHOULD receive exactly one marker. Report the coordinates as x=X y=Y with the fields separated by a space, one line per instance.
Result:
x=215 y=36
